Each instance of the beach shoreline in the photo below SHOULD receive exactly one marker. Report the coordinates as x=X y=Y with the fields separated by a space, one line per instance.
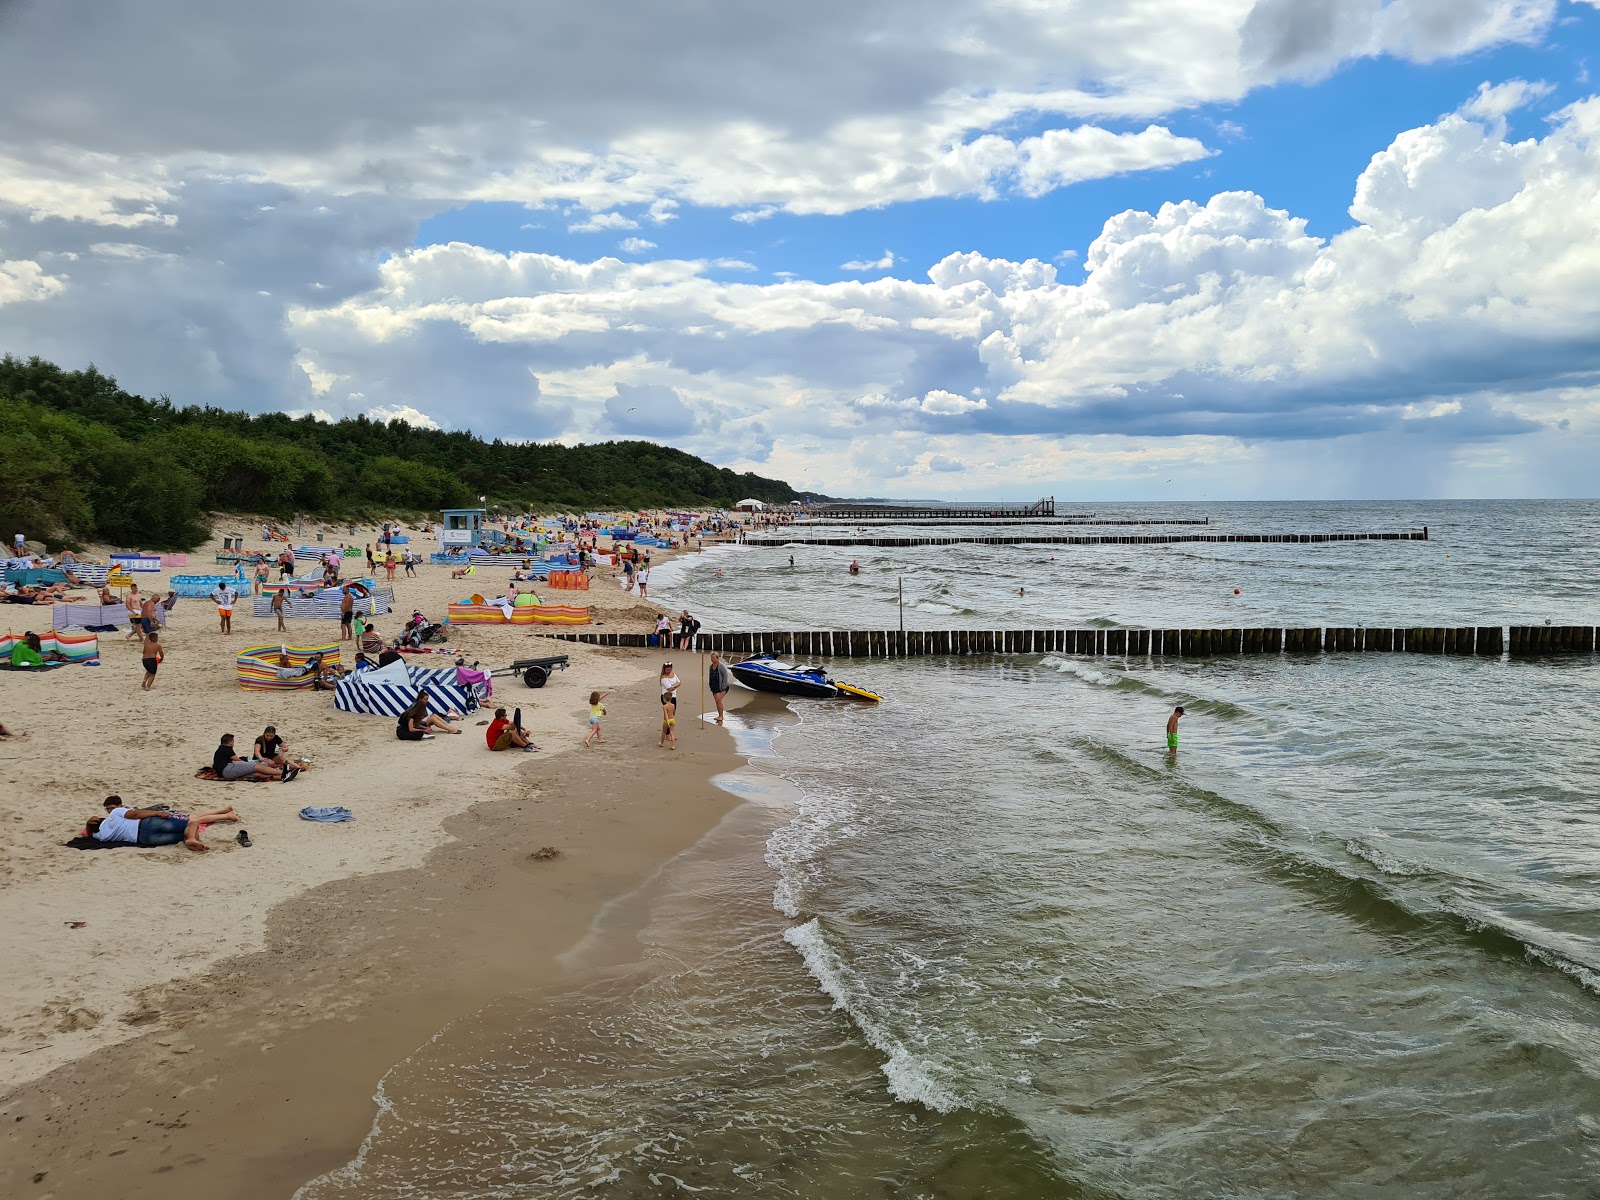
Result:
x=259 y=1074
x=121 y=960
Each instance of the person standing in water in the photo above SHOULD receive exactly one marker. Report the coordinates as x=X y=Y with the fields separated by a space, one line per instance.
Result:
x=1172 y=730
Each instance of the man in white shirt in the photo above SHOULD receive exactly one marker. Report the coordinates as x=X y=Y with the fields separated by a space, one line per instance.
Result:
x=154 y=826
x=225 y=597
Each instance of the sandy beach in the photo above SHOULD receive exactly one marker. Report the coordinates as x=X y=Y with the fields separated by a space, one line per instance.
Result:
x=217 y=1024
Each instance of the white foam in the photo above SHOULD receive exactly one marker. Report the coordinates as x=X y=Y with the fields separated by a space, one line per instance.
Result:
x=1586 y=977
x=1071 y=666
x=909 y=1080
x=1389 y=864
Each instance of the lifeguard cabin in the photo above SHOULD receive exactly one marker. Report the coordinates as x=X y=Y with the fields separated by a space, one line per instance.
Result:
x=461 y=528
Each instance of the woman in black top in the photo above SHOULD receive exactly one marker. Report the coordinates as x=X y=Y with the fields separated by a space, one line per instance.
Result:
x=416 y=721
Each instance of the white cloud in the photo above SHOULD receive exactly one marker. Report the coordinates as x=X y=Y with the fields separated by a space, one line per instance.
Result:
x=1461 y=308
x=26 y=280
x=695 y=109
x=862 y=264
x=262 y=255
x=595 y=222
x=733 y=264
x=635 y=245
x=1494 y=101
x=402 y=412
x=948 y=404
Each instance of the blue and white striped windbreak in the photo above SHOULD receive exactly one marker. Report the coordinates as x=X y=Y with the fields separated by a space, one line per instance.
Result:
x=387 y=697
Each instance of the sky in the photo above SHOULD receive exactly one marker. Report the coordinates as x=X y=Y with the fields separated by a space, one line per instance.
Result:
x=1158 y=249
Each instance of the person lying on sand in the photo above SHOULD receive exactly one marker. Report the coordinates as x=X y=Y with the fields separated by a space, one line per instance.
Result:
x=154 y=826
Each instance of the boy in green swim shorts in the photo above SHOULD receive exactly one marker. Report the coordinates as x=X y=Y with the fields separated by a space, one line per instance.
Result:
x=1172 y=730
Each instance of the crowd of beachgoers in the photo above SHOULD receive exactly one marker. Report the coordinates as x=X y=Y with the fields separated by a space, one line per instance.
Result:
x=280 y=573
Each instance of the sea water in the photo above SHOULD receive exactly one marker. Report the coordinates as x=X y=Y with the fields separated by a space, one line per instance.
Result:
x=989 y=939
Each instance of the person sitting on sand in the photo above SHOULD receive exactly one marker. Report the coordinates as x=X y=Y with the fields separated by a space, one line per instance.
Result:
x=30 y=652
x=415 y=722
x=269 y=748
x=229 y=765
x=154 y=826
x=503 y=735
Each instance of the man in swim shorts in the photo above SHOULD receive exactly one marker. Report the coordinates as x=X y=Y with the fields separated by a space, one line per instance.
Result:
x=1172 y=730
x=225 y=597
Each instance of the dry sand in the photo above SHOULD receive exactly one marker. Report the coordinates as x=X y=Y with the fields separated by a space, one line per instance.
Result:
x=138 y=1051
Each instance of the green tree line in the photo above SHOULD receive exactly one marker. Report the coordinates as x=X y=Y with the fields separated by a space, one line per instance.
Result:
x=83 y=460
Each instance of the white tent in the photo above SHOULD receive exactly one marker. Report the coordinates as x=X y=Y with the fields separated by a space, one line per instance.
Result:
x=750 y=506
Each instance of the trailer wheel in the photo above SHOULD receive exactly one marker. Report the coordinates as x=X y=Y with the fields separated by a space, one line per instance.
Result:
x=534 y=677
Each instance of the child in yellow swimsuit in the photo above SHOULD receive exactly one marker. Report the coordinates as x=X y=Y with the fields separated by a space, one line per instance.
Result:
x=597 y=709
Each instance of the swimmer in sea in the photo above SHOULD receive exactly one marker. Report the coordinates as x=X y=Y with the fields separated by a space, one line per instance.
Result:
x=1172 y=730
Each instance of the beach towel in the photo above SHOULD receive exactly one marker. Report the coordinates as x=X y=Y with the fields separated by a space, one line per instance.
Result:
x=206 y=772
x=328 y=816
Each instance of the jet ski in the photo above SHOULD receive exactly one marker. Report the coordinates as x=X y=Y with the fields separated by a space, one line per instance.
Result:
x=763 y=673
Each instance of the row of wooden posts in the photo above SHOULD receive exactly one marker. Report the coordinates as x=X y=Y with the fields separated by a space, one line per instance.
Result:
x=1087 y=519
x=1179 y=643
x=802 y=537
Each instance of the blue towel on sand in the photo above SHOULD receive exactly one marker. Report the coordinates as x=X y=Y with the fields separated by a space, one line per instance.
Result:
x=328 y=815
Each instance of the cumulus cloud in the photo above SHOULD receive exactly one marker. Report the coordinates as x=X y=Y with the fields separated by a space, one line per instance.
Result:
x=648 y=411
x=402 y=412
x=876 y=264
x=948 y=404
x=693 y=108
x=1471 y=281
x=26 y=280
x=596 y=222
x=262 y=255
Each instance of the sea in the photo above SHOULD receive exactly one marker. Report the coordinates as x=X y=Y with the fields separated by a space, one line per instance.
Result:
x=989 y=939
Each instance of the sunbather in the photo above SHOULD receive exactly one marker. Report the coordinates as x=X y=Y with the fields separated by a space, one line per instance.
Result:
x=154 y=826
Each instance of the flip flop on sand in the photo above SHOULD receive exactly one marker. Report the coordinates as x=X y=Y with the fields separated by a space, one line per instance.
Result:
x=291 y=773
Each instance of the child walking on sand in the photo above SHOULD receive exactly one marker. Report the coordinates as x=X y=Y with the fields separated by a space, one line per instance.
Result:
x=597 y=709
x=152 y=656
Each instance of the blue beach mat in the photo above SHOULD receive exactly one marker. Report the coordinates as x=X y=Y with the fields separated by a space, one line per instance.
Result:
x=328 y=816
